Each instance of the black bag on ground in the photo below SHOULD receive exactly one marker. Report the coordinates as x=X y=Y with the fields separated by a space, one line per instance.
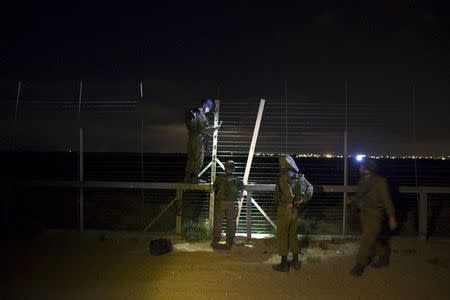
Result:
x=160 y=246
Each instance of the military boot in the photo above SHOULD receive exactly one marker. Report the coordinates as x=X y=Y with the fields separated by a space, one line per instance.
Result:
x=380 y=261
x=283 y=266
x=229 y=244
x=357 y=270
x=196 y=179
x=295 y=262
x=215 y=244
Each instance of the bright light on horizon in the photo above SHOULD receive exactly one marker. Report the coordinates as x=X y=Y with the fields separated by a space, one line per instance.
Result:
x=360 y=157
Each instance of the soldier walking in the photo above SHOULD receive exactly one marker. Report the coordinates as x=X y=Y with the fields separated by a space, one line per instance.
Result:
x=374 y=201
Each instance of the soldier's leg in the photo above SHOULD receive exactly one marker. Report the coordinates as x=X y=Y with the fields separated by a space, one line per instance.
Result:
x=382 y=253
x=190 y=159
x=293 y=241
x=370 y=227
x=282 y=237
x=231 y=224
x=293 y=237
x=199 y=155
x=282 y=233
x=380 y=247
x=217 y=227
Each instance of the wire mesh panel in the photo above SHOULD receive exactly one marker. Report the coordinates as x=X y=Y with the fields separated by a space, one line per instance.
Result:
x=438 y=215
x=298 y=126
x=9 y=92
x=322 y=215
x=46 y=117
x=195 y=206
x=113 y=166
x=112 y=208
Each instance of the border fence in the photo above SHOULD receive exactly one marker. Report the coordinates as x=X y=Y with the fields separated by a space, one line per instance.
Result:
x=86 y=145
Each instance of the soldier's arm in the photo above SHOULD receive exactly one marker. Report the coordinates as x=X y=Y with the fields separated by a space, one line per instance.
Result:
x=198 y=124
x=210 y=129
x=216 y=184
x=240 y=188
x=355 y=199
x=385 y=196
x=309 y=191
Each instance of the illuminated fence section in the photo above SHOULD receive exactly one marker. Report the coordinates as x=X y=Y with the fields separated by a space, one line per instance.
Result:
x=294 y=126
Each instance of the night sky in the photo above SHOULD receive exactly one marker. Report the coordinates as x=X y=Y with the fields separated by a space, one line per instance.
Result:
x=185 y=52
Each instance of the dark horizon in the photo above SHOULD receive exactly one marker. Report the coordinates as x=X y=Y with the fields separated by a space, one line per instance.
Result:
x=389 y=55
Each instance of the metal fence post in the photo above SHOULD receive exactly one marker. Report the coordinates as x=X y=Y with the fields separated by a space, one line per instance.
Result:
x=251 y=152
x=179 y=217
x=423 y=212
x=214 y=162
x=249 y=215
x=344 y=205
x=344 y=200
x=81 y=192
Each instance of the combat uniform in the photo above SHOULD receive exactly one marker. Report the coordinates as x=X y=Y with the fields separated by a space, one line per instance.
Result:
x=287 y=220
x=228 y=188
x=291 y=187
x=373 y=199
x=195 y=145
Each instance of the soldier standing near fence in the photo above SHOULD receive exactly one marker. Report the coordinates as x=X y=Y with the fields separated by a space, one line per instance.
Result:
x=228 y=189
x=374 y=201
x=198 y=132
x=292 y=190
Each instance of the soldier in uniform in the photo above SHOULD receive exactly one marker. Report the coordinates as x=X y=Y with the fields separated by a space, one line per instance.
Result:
x=374 y=201
x=292 y=190
x=198 y=131
x=228 y=188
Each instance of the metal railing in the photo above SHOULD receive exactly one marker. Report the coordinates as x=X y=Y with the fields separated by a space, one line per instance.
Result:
x=179 y=187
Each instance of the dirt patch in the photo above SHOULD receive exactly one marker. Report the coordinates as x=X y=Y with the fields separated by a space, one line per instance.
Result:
x=67 y=265
x=408 y=251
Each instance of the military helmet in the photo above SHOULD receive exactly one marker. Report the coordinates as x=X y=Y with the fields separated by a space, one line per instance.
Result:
x=208 y=103
x=287 y=162
x=230 y=163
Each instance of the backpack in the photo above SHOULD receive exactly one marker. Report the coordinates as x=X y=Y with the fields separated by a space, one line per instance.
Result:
x=300 y=186
x=160 y=246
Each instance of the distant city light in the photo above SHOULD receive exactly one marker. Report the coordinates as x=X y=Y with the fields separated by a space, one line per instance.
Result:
x=358 y=157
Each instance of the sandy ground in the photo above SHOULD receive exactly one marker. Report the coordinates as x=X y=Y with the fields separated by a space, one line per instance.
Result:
x=95 y=265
